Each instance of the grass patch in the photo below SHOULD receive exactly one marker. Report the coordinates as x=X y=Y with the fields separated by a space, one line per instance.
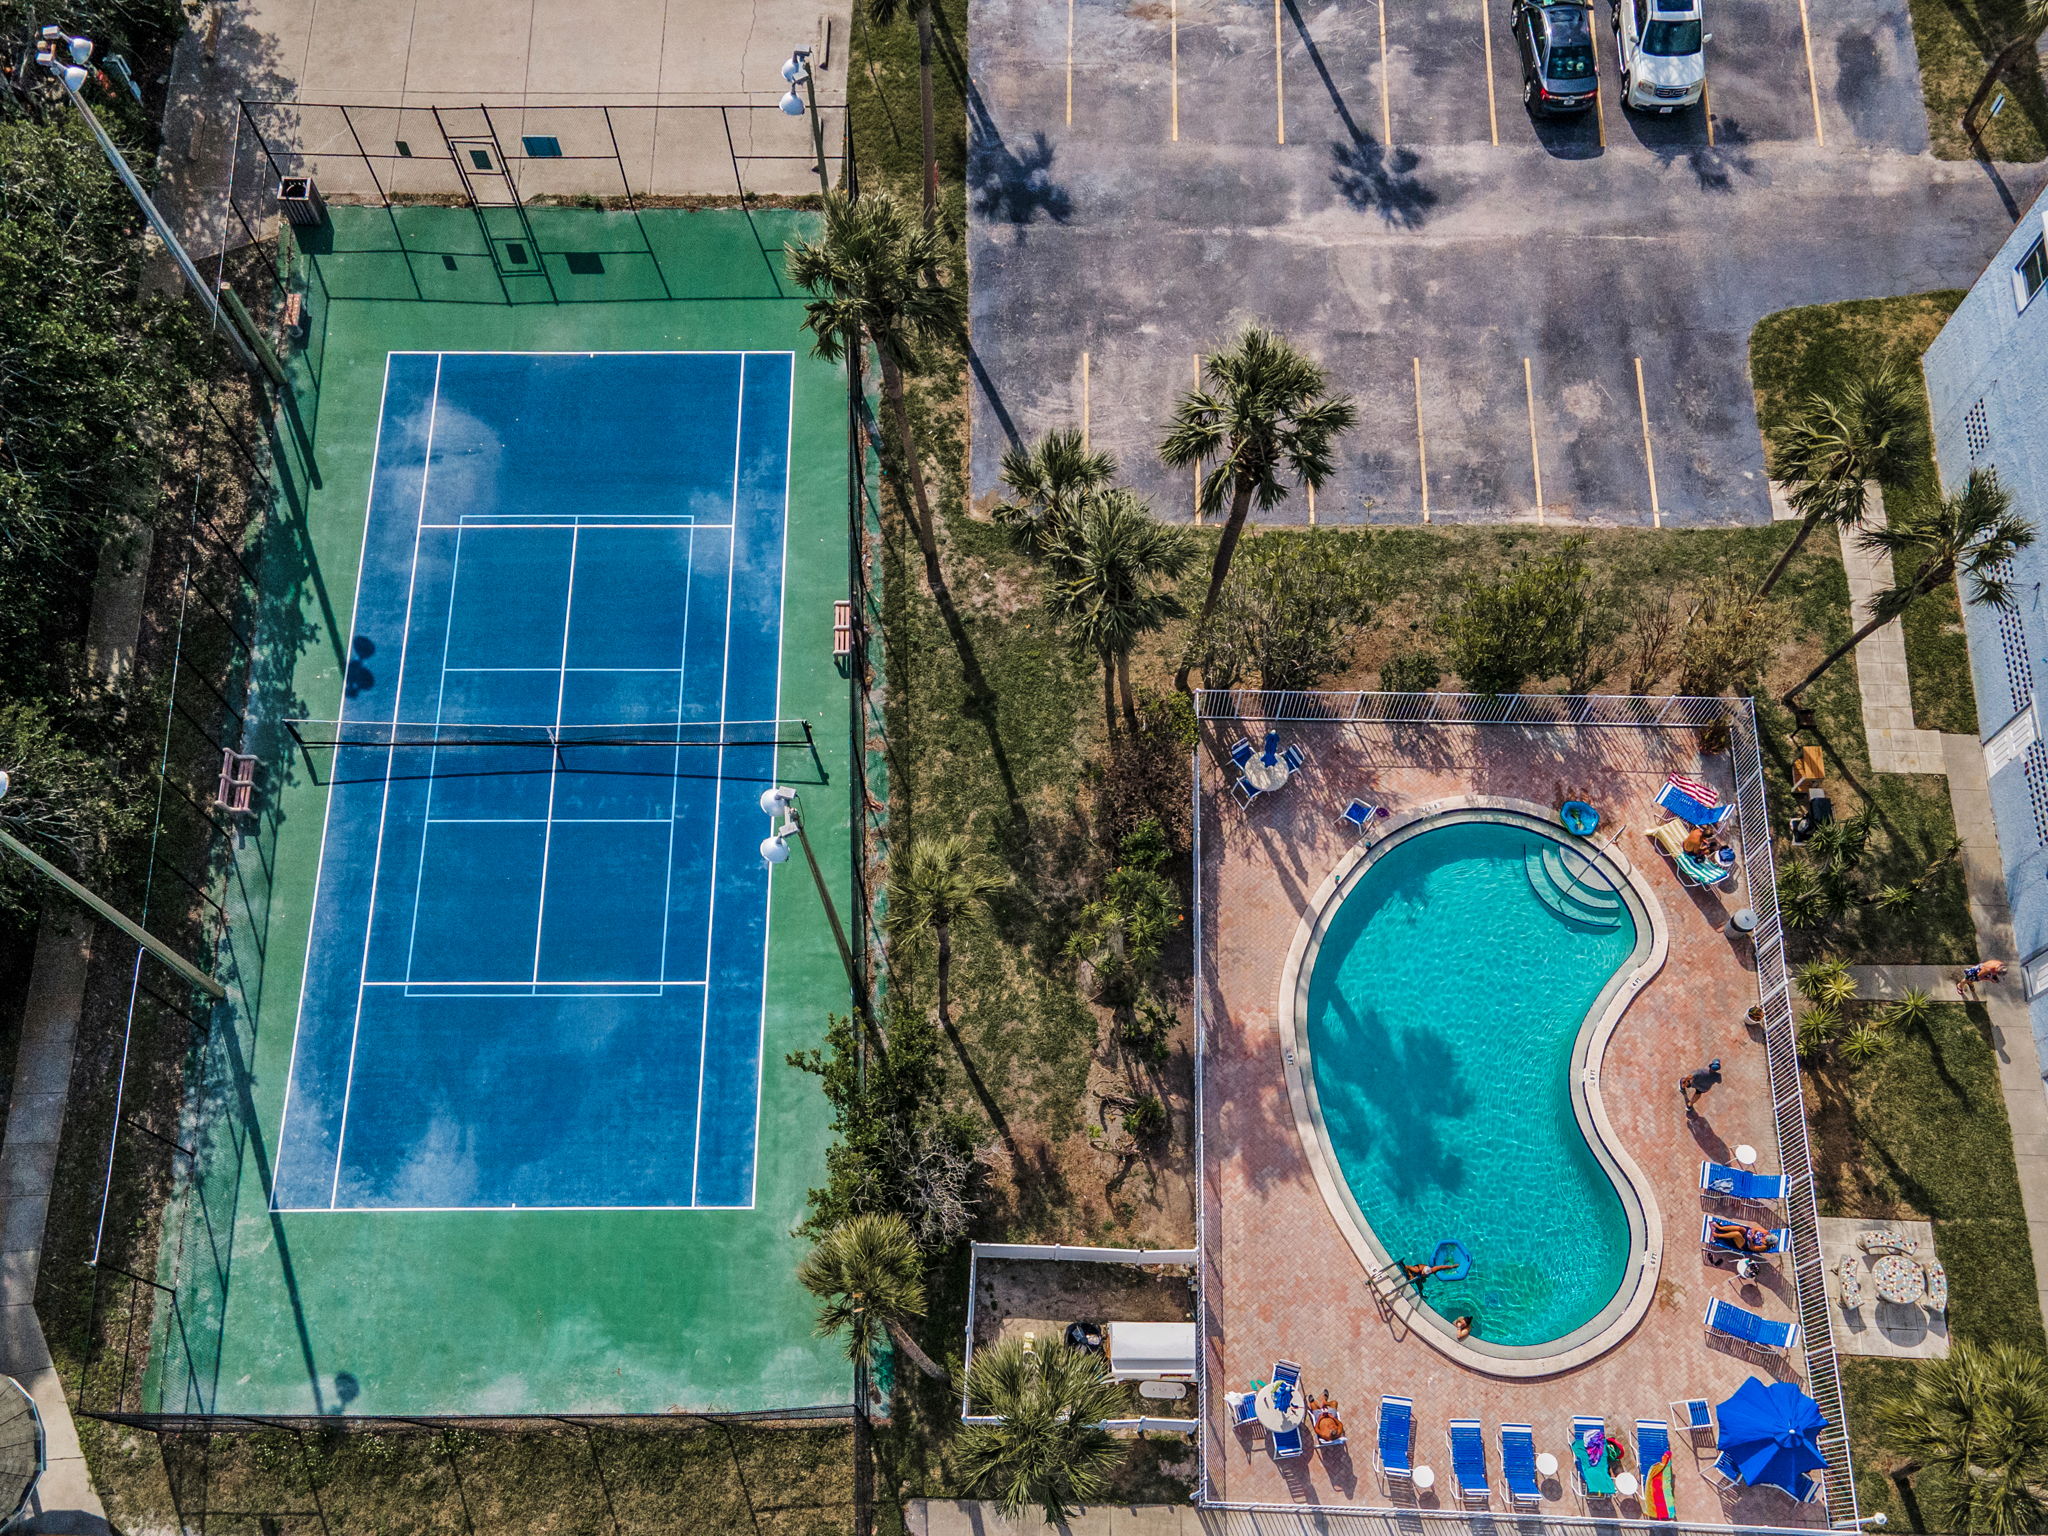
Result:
x=1800 y=352
x=1922 y=1133
x=1956 y=40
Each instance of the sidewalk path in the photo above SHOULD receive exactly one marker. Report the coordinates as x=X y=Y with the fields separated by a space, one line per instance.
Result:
x=1896 y=744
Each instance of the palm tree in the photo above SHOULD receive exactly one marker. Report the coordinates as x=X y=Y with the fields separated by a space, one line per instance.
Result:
x=1048 y=1449
x=883 y=12
x=1980 y=1418
x=1974 y=532
x=1049 y=481
x=869 y=1273
x=944 y=882
x=2029 y=23
x=1874 y=429
x=1107 y=558
x=879 y=277
x=1264 y=412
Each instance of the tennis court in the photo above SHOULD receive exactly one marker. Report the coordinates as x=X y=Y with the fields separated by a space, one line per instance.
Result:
x=535 y=971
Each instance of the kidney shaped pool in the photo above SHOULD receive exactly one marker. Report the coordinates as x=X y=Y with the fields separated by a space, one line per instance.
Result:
x=1444 y=1003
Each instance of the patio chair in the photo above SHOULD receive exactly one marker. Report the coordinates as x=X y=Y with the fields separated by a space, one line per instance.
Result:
x=1241 y=753
x=1518 y=1465
x=1692 y=870
x=1693 y=1415
x=1746 y=1327
x=1287 y=1371
x=1742 y=1184
x=1780 y=1239
x=1285 y=1443
x=1936 y=1298
x=1723 y=1473
x=1468 y=1462
x=1692 y=801
x=1396 y=1437
x=1360 y=815
x=1244 y=1409
x=1244 y=792
x=1294 y=757
x=1594 y=1480
x=1653 y=1444
x=1318 y=1438
x=1852 y=1283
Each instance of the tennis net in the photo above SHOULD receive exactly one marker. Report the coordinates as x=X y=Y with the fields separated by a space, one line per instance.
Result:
x=442 y=735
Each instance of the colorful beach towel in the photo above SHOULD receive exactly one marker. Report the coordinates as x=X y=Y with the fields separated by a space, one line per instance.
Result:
x=1660 y=1490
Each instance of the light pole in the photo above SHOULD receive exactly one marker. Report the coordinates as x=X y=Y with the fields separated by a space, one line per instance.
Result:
x=775 y=849
x=134 y=930
x=798 y=72
x=73 y=76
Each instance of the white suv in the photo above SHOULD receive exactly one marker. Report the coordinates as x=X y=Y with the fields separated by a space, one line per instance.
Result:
x=1663 y=54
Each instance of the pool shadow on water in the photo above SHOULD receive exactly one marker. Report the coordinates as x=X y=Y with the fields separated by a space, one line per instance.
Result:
x=1415 y=1084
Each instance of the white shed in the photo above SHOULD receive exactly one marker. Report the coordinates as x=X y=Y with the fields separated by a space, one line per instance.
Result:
x=1139 y=1351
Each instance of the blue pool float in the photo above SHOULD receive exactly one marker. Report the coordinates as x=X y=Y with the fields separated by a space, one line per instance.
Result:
x=1450 y=1251
x=1578 y=817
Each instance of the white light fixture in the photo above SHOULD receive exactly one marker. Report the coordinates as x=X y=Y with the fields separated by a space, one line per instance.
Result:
x=775 y=802
x=774 y=850
x=81 y=49
x=793 y=71
x=5 y=784
x=792 y=104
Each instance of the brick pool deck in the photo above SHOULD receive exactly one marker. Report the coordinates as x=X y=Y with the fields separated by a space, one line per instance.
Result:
x=1279 y=1278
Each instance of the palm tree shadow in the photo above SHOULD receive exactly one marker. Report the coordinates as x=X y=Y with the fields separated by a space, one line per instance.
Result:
x=1007 y=186
x=1374 y=178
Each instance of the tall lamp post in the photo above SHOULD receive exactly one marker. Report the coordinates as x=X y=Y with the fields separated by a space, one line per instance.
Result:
x=134 y=930
x=51 y=52
x=775 y=850
x=798 y=72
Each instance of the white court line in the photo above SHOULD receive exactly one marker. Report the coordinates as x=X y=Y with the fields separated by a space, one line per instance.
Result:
x=534 y=821
x=488 y=523
x=419 y=874
x=327 y=814
x=650 y=724
x=547 y=841
x=384 y=809
x=451 y=1210
x=603 y=981
x=739 y=437
x=668 y=889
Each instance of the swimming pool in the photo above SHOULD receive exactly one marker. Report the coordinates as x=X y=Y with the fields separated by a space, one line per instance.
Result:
x=1452 y=1005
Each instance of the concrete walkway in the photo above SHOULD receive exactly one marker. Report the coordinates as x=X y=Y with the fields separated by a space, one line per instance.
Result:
x=1896 y=744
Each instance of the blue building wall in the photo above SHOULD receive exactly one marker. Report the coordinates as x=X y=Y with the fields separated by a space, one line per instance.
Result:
x=1987 y=382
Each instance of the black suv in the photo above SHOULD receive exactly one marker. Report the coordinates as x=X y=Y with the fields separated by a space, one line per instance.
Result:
x=1556 y=42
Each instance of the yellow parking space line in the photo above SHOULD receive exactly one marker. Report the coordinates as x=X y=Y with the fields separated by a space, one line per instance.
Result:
x=1198 y=465
x=1386 y=101
x=1812 y=81
x=1279 y=84
x=1421 y=442
x=1070 y=63
x=1707 y=107
x=1600 y=107
x=1535 y=454
x=1486 y=36
x=1173 y=64
x=1084 y=402
x=1649 y=453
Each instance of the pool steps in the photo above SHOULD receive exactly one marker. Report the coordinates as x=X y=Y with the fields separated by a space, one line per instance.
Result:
x=1572 y=886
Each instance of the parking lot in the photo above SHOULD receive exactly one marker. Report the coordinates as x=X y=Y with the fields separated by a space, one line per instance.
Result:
x=1539 y=319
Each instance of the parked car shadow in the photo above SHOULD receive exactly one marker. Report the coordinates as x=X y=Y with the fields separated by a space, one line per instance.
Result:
x=1567 y=138
x=1682 y=138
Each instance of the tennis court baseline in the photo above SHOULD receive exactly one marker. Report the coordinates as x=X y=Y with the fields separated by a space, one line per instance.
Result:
x=535 y=972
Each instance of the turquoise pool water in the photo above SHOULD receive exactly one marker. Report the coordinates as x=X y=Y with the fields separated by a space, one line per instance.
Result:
x=1443 y=1006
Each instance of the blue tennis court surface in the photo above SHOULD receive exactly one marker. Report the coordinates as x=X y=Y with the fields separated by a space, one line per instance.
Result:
x=534 y=976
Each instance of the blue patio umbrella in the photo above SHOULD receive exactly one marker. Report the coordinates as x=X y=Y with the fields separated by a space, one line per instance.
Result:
x=1769 y=1435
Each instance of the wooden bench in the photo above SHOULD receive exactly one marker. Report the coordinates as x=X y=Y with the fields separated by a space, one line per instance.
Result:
x=842 y=627
x=237 y=780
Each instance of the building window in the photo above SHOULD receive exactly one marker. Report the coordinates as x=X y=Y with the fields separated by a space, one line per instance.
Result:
x=2031 y=275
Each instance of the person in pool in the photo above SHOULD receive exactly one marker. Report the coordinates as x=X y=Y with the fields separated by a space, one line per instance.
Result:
x=1462 y=1327
x=1421 y=1272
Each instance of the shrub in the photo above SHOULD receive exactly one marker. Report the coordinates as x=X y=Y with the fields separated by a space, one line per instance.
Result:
x=1290 y=612
x=1146 y=1119
x=1414 y=671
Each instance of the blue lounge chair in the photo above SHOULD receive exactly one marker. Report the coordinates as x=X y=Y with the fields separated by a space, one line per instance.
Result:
x=1242 y=752
x=1594 y=1480
x=1294 y=757
x=1693 y=1415
x=1653 y=1443
x=1746 y=1327
x=1244 y=1409
x=1244 y=792
x=1286 y=1443
x=1397 y=1432
x=1687 y=807
x=1518 y=1464
x=1742 y=1184
x=1361 y=815
x=1780 y=1244
x=1287 y=1371
x=1468 y=1462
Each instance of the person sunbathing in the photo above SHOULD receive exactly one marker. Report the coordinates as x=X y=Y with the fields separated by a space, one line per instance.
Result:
x=1741 y=1236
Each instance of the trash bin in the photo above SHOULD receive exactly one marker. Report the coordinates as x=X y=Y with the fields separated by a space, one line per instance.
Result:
x=1743 y=922
x=301 y=201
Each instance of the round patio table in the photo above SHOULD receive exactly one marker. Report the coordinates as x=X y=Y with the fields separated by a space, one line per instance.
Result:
x=1625 y=1484
x=1546 y=1464
x=1898 y=1279
x=1266 y=776
x=1276 y=1418
x=1424 y=1478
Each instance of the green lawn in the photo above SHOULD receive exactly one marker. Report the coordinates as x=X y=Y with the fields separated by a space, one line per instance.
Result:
x=1955 y=40
x=1922 y=1133
x=1799 y=352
